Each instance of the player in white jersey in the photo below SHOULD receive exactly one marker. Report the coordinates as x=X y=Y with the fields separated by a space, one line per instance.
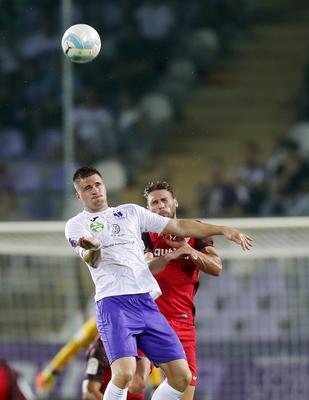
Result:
x=109 y=241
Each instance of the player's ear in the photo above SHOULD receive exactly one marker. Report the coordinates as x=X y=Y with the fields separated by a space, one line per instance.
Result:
x=176 y=202
x=77 y=195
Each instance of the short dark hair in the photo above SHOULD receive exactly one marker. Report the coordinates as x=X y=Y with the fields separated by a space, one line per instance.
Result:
x=157 y=185
x=84 y=172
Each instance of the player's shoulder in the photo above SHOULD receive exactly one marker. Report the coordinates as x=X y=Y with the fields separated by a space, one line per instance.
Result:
x=128 y=208
x=78 y=218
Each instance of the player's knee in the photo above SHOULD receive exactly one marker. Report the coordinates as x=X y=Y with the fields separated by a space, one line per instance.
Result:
x=138 y=385
x=124 y=377
x=182 y=380
x=187 y=377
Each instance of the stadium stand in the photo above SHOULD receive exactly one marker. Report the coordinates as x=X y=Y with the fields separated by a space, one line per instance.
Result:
x=154 y=55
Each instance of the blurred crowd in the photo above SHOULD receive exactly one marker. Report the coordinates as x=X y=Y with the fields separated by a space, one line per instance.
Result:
x=278 y=186
x=153 y=54
x=275 y=186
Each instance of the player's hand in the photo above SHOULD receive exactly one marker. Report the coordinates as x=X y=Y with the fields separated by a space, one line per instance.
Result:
x=89 y=243
x=238 y=237
x=183 y=249
x=45 y=380
x=149 y=256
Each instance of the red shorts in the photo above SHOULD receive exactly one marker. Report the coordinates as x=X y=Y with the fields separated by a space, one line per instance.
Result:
x=187 y=336
x=140 y=353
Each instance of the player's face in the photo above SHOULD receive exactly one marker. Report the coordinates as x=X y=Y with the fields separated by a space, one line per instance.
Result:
x=91 y=192
x=163 y=203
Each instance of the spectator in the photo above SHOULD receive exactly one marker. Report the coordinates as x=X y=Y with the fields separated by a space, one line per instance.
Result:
x=218 y=198
x=250 y=179
x=157 y=107
x=156 y=23
x=155 y=19
x=42 y=40
x=290 y=180
x=129 y=114
x=299 y=133
x=95 y=125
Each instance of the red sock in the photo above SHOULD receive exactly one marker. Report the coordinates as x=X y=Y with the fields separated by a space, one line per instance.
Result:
x=138 y=396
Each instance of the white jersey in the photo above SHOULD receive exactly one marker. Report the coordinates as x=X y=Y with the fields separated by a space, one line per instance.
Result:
x=122 y=268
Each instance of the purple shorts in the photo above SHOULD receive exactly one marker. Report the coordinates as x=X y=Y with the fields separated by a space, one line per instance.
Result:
x=133 y=321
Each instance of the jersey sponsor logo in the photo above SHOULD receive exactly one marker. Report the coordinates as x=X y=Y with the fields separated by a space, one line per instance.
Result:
x=93 y=219
x=162 y=252
x=118 y=244
x=96 y=226
x=92 y=366
x=115 y=229
x=73 y=242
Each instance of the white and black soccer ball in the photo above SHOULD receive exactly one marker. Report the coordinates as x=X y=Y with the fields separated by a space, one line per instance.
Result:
x=81 y=43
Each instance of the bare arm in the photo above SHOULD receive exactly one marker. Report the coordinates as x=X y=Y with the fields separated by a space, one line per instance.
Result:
x=200 y=230
x=207 y=259
x=92 y=247
x=157 y=264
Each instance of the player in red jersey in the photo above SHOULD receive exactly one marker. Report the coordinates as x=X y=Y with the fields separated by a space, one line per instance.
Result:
x=179 y=281
x=98 y=373
x=176 y=264
x=12 y=385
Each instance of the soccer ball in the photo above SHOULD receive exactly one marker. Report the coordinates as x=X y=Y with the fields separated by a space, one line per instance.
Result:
x=81 y=43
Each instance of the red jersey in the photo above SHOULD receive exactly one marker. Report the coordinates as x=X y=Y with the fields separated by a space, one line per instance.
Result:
x=179 y=280
x=11 y=384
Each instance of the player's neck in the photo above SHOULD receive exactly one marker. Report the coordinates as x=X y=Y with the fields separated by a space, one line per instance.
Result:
x=97 y=210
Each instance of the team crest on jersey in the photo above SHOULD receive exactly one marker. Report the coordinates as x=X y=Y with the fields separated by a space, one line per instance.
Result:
x=96 y=226
x=73 y=242
x=118 y=214
x=115 y=229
